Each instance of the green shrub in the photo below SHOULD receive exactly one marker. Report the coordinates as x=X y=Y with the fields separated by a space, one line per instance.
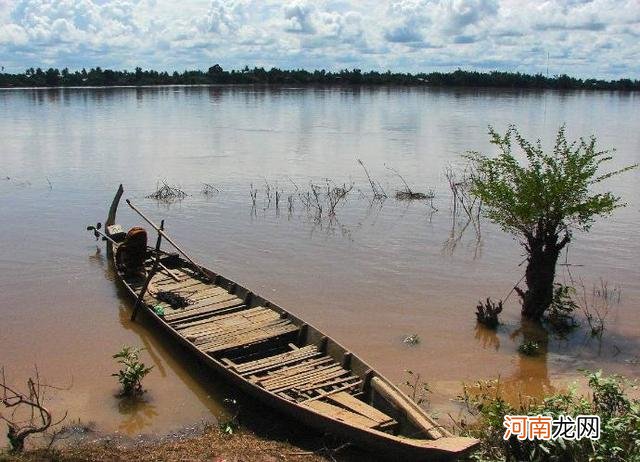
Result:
x=132 y=371
x=529 y=348
x=619 y=428
x=560 y=315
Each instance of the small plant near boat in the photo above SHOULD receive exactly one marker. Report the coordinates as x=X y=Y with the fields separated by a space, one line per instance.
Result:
x=487 y=313
x=412 y=339
x=231 y=425
x=132 y=371
x=418 y=390
x=529 y=348
x=608 y=398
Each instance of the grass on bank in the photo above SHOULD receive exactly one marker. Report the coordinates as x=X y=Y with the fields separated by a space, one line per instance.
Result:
x=608 y=398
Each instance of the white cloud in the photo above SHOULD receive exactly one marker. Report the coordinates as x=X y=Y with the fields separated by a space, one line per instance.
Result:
x=582 y=37
x=298 y=18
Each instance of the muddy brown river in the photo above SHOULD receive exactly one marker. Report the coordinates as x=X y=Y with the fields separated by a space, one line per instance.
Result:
x=376 y=274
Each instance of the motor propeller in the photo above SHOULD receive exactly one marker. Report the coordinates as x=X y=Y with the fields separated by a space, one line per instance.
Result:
x=95 y=230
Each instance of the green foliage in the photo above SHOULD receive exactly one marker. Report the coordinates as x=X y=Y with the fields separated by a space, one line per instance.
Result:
x=547 y=196
x=551 y=192
x=563 y=306
x=258 y=75
x=487 y=313
x=132 y=371
x=230 y=426
x=529 y=348
x=619 y=415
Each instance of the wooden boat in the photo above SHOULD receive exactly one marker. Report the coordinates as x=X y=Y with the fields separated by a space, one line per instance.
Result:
x=278 y=358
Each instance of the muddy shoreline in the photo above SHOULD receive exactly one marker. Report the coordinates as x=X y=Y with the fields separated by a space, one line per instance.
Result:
x=200 y=441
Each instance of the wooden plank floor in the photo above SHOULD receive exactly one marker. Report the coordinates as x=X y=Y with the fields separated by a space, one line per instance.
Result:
x=215 y=320
x=301 y=374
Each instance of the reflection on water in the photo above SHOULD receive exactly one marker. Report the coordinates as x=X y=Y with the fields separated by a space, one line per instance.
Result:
x=377 y=271
x=137 y=414
x=488 y=338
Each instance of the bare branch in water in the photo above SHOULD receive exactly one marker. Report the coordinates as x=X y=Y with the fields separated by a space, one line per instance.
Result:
x=28 y=414
x=209 y=189
x=376 y=188
x=166 y=193
x=407 y=194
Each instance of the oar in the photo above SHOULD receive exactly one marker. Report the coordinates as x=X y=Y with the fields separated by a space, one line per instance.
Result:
x=150 y=275
x=97 y=234
x=169 y=240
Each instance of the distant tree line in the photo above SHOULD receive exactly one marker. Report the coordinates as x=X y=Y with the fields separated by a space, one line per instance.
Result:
x=216 y=75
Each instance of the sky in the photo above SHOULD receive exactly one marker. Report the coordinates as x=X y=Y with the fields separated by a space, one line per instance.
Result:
x=583 y=38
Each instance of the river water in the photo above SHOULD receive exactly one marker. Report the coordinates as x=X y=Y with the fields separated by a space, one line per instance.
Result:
x=375 y=274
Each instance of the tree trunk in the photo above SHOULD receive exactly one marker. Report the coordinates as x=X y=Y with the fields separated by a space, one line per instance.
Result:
x=544 y=250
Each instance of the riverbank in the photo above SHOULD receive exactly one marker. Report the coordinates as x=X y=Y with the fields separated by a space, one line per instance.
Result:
x=215 y=75
x=211 y=444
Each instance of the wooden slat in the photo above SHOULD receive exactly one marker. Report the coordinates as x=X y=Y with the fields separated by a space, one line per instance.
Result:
x=410 y=408
x=209 y=301
x=325 y=394
x=190 y=326
x=313 y=382
x=167 y=281
x=271 y=362
x=297 y=375
x=164 y=278
x=283 y=362
x=308 y=364
x=205 y=293
x=306 y=378
x=172 y=286
x=179 y=315
x=319 y=385
x=245 y=330
x=188 y=310
x=229 y=325
x=243 y=341
x=341 y=414
x=355 y=405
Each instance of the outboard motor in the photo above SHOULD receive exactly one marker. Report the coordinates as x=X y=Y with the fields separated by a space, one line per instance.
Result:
x=132 y=253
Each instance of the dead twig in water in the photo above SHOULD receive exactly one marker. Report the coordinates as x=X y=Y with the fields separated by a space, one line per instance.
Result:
x=29 y=415
x=209 y=189
x=407 y=194
x=167 y=193
x=254 y=195
x=376 y=188
x=335 y=195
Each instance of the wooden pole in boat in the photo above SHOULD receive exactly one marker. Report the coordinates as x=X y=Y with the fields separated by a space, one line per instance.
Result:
x=184 y=254
x=111 y=218
x=150 y=275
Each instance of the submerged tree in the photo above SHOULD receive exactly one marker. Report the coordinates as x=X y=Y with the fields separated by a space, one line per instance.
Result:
x=543 y=201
